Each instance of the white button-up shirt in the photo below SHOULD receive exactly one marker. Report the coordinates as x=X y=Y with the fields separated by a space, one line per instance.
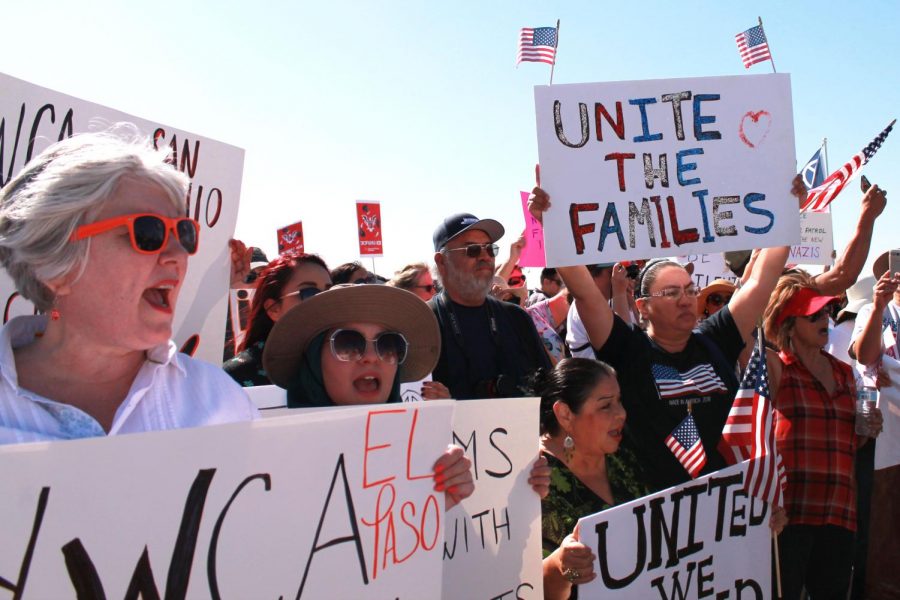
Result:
x=170 y=391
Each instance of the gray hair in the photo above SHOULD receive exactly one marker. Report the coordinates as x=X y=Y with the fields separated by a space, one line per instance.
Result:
x=67 y=186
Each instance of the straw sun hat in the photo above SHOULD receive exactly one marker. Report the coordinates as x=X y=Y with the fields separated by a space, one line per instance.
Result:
x=395 y=309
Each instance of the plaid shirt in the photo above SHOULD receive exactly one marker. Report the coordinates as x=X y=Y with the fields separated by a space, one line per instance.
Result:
x=816 y=438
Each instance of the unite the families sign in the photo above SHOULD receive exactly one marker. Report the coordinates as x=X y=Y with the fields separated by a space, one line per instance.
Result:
x=702 y=539
x=33 y=117
x=641 y=169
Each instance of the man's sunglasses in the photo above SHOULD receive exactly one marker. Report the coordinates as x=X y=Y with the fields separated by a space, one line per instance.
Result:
x=149 y=233
x=718 y=299
x=349 y=345
x=474 y=250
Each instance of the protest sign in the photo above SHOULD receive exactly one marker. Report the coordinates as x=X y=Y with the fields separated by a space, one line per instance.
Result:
x=492 y=540
x=290 y=237
x=816 y=245
x=643 y=169
x=705 y=538
x=533 y=252
x=708 y=267
x=33 y=117
x=368 y=219
x=326 y=504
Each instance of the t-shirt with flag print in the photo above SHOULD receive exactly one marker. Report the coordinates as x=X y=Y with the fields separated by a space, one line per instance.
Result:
x=658 y=386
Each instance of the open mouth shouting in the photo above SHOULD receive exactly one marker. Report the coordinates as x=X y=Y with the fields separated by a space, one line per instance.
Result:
x=161 y=296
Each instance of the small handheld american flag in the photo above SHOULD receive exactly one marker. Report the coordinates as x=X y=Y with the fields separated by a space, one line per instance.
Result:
x=818 y=198
x=537 y=44
x=685 y=444
x=753 y=46
x=749 y=432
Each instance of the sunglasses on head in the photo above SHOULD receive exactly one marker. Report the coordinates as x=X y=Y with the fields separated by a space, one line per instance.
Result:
x=718 y=299
x=149 y=233
x=474 y=250
x=349 y=345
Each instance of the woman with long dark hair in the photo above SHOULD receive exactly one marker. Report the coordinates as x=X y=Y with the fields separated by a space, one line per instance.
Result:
x=286 y=282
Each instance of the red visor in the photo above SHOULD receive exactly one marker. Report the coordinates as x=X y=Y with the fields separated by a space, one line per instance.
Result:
x=805 y=302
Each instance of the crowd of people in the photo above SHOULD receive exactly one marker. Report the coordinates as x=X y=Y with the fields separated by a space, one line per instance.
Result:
x=620 y=354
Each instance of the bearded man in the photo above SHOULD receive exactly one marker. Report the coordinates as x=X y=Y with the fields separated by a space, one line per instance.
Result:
x=489 y=348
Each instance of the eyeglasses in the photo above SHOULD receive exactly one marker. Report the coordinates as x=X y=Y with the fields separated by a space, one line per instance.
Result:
x=430 y=288
x=675 y=293
x=364 y=280
x=816 y=316
x=474 y=250
x=304 y=294
x=349 y=345
x=515 y=281
x=149 y=233
x=718 y=299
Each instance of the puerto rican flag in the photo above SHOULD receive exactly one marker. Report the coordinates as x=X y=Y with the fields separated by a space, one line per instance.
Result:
x=698 y=381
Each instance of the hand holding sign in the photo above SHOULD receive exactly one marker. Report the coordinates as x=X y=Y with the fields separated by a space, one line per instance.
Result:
x=453 y=476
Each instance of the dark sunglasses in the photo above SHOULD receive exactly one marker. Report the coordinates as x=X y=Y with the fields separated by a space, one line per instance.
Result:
x=430 y=288
x=718 y=299
x=474 y=250
x=816 y=316
x=515 y=281
x=349 y=345
x=148 y=233
x=304 y=294
x=364 y=280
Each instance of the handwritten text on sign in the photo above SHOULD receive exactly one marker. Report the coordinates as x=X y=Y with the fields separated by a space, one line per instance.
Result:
x=492 y=540
x=33 y=117
x=701 y=539
x=640 y=169
x=327 y=504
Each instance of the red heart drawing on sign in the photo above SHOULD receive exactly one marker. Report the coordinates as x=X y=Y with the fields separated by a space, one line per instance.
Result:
x=753 y=128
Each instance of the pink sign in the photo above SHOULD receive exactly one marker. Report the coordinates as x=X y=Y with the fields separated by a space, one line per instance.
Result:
x=533 y=252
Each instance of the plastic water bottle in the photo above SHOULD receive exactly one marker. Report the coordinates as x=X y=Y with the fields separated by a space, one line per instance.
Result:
x=866 y=397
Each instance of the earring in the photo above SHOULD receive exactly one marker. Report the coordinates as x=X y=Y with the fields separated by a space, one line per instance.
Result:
x=568 y=447
x=54 y=314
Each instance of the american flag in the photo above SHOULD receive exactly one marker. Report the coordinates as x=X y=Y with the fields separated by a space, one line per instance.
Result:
x=537 y=44
x=685 y=444
x=752 y=46
x=750 y=434
x=701 y=380
x=818 y=198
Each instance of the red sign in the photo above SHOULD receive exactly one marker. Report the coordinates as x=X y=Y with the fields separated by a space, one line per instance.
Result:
x=291 y=238
x=368 y=222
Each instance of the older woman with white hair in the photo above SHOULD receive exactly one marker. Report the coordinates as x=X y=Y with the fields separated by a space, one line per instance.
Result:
x=93 y=232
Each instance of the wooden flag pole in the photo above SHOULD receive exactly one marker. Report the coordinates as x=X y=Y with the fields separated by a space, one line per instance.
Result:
x=555 y=53
x=772 y=60
x=779 y=595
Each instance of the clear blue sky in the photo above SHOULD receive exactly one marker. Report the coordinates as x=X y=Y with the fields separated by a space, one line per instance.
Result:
x=419 y=104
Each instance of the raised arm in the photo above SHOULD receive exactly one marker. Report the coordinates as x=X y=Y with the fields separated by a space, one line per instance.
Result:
x=867 y=347
x=593 y=307
x=515 y=252
x=849 y=264
x=749 y=302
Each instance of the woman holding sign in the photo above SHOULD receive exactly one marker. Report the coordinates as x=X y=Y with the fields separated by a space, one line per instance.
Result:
x=672 y=376
x=582 y=421
x=93 y=233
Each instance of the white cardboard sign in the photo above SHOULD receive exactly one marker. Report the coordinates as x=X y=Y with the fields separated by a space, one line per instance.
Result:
x=701 y=539
x=33 y=117
x=816 y=245
x=492 y=540
x=643 y=169
x=324 y=504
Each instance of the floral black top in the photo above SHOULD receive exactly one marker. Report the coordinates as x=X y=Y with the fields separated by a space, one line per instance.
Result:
x=246 y=367
x=569 y=499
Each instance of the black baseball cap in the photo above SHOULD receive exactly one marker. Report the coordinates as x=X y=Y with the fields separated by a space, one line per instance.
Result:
x=459 y=223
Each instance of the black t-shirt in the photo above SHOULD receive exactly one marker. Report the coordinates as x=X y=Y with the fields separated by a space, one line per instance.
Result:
x=657 y=387
x=491 y=352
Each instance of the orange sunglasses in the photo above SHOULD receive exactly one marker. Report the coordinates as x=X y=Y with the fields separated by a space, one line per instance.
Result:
x=149 y=233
